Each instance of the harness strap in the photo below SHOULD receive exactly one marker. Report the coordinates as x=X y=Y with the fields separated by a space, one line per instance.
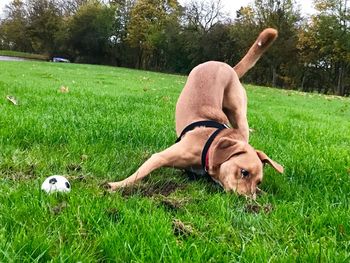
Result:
x=207 y=145
x=210 y=124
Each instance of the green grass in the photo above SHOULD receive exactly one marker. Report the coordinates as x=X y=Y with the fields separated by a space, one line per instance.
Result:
x=10 y=53
x=110 y=121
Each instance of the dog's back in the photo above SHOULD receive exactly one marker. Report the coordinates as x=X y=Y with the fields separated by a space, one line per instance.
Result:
x=203 y=95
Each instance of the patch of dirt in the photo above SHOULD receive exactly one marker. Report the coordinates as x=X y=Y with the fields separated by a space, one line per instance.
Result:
x=252 y=208
x=56 y=210
x=16 y=174
x=84 y=158
x=74 y=167
x=257 y=208
x=77 y=178
x=172 y=204
x=341 y=229
x=268 y=208
x=150 y=190
x=113 y=214
x=182 y=229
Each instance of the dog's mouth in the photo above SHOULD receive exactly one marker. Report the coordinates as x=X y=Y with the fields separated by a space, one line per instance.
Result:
x=250 y=195
x=260 y=192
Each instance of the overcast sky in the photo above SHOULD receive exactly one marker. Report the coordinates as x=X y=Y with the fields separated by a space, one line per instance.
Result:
x=231 y=6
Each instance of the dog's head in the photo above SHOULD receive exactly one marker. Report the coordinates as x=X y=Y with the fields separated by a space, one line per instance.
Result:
x=237 y=166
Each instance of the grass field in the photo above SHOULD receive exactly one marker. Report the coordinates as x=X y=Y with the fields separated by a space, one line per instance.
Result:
x=10 y=53
x=112 y=120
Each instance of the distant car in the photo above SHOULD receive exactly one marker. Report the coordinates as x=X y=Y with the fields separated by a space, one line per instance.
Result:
x=57 y=59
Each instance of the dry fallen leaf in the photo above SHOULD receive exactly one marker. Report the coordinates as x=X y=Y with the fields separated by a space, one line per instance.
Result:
x=84 y=157
x=12 y=99
x=180 y=229
x=64 y=89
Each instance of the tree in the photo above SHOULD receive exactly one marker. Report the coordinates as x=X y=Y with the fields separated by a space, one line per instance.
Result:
x=203 y=15
x=205 y=32
x=44 y=23
x=14 y=33
x=244 y=31
x=276 y=67
x=325 y=49
x=333 y=25
x=90 y=31
x=146 y=30
x=70 y=7
x=284 y=16
x=120 y=50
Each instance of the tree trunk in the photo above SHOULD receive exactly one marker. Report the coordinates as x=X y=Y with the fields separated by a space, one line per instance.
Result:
x=340 y=86
x=139 y=58
x=303 y=81
x=274 y=76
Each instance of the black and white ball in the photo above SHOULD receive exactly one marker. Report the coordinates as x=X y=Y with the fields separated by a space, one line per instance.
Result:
x=56 y=183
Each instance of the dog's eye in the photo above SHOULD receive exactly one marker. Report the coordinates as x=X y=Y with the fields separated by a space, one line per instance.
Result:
x=244 y=173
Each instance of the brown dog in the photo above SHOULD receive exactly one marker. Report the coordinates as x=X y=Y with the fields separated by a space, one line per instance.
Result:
x=212 y=97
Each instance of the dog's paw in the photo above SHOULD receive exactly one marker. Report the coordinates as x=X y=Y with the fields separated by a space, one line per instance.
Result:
x=113 y=186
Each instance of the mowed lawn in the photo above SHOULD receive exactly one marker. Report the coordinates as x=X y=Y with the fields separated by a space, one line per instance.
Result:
x=112 y=120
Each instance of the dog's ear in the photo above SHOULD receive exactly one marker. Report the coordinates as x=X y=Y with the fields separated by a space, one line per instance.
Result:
x=265 y=159
x=224 y=150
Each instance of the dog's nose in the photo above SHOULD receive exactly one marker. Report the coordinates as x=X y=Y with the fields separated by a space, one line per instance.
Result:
x=253 y=196
x=250 y=196
x=253 y=191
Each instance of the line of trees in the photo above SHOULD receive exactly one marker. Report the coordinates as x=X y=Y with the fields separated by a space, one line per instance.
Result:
x=312 y=53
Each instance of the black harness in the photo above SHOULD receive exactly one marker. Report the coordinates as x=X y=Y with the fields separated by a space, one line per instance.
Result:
x=209 y=124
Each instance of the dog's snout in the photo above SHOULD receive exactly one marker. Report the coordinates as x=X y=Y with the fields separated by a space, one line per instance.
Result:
x=250 y=196
x=254 y=190
x=253 y=196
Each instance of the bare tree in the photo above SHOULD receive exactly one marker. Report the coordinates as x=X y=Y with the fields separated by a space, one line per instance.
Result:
x=203 y=15
x=70 y=7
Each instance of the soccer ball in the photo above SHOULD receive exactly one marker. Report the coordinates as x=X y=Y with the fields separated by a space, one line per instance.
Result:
x=56 y=183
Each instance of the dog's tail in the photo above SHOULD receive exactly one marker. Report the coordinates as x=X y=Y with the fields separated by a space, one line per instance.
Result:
x=261 y=44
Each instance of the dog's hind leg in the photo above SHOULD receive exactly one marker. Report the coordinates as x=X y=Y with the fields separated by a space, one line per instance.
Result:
x=235 y=98
x=235 y=107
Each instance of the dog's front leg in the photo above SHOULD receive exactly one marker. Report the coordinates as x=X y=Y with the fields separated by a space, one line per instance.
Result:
x=176 y=155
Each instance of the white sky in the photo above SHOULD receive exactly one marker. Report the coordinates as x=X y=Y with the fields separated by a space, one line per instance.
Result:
x=230 y=6
x=2 y=6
